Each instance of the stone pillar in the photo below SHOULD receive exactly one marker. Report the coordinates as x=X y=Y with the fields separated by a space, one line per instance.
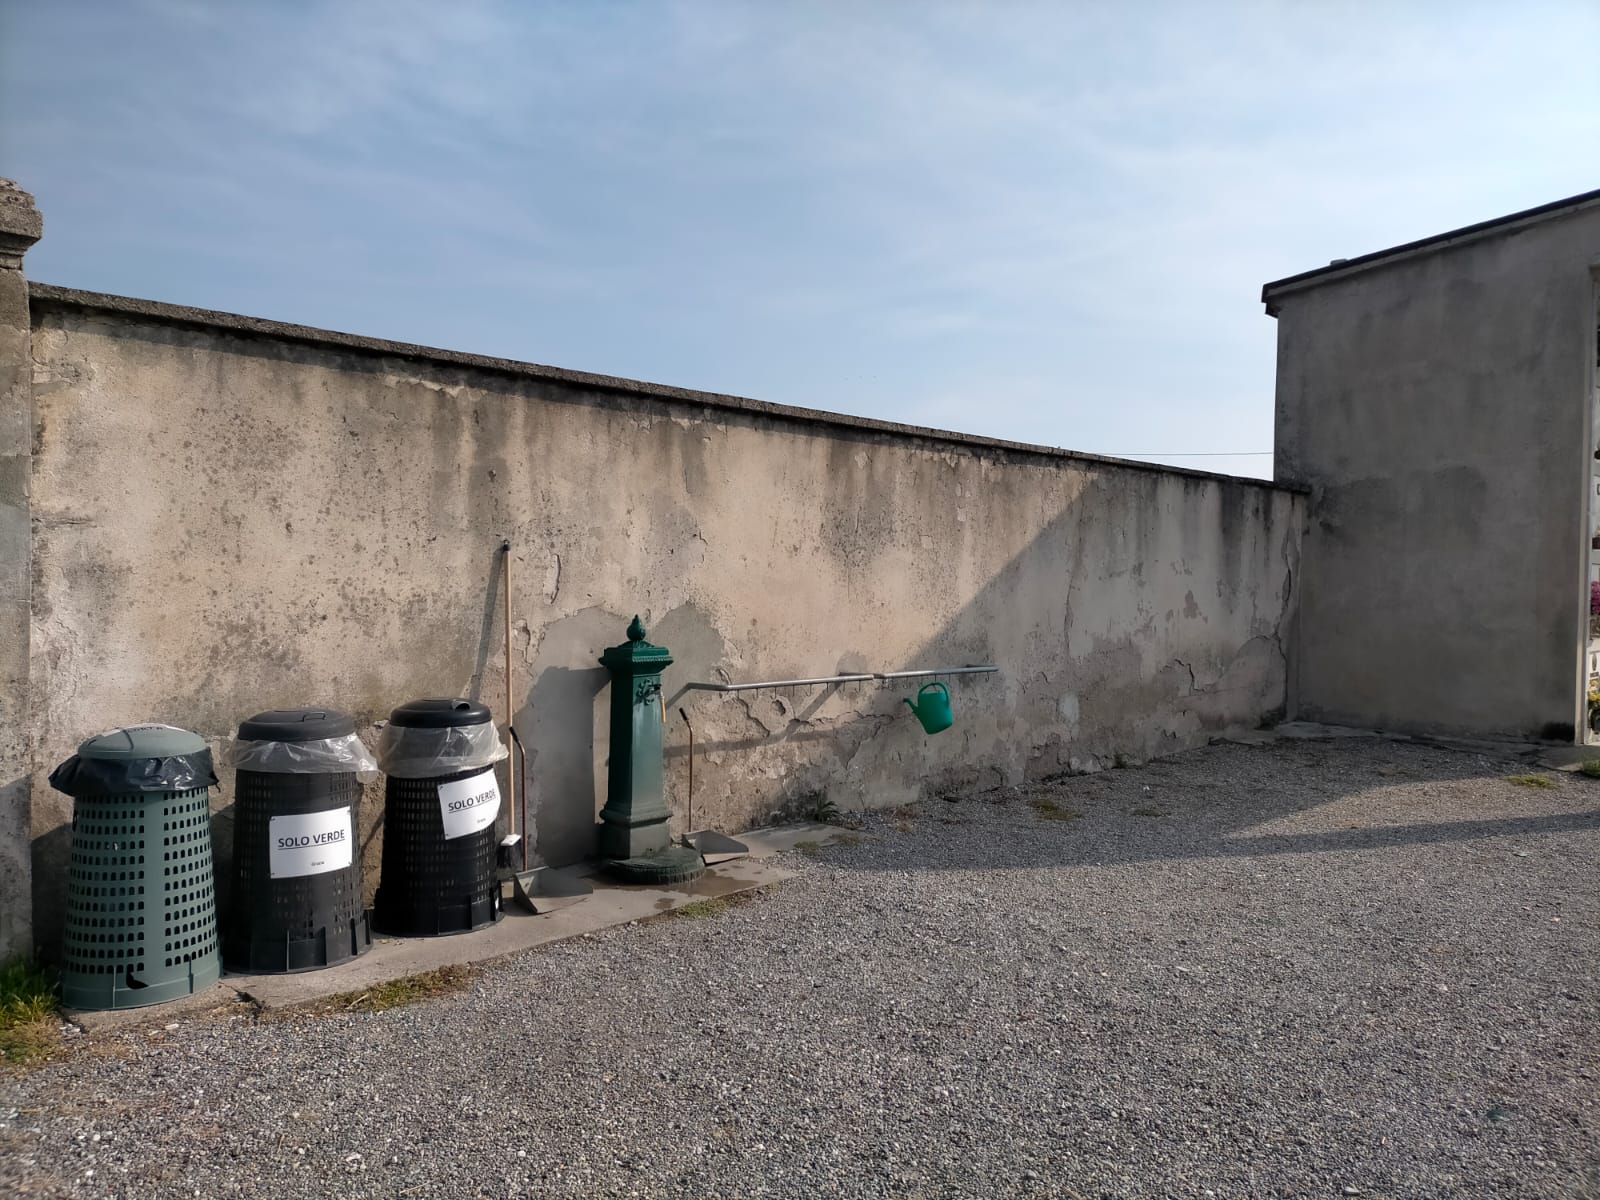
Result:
x=20 y=227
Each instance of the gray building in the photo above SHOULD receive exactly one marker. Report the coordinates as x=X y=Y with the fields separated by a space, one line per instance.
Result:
x=1438 y=399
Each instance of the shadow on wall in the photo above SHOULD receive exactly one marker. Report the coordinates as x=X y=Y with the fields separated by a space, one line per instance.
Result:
x=16 y=928
x=1099 y=648
x=564 y=720
x=491 y=607
x=1103 y=645
x=565 y=783
x=1093 y=663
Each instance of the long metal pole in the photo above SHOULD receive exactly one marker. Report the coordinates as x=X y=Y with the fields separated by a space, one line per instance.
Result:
x=935 y=671
x=685 y=717
x=770 y=684
x=511 y=762
x=522 y=796
x=774 y=683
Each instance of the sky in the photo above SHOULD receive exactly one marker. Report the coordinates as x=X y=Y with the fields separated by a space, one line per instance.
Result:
x=1043 y=222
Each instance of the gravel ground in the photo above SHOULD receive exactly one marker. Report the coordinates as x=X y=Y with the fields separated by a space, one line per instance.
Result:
x=1351 y=968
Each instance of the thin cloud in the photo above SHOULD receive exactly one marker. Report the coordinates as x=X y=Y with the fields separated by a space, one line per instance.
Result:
x=1051 y=227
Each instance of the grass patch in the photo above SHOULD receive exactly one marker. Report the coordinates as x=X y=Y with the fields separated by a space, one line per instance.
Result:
x=843 y=840
x=1531 y=781
x=714 y=905
x=1048 y=810
x=397 y=993
x=826 y=812
x=29 y=1025
x=700 y=909
x=1591 y=768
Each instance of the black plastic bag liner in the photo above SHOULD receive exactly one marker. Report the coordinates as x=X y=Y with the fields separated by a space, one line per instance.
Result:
x=140 y=758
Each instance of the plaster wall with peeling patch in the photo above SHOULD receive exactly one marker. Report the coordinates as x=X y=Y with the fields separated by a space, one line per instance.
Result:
x=228 y=520
x=1438 y=405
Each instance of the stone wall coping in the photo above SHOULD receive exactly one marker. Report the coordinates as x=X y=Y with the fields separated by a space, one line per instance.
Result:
x=46 y=296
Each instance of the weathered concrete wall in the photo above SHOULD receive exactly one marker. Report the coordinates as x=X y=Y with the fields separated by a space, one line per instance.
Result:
x=1437 y=407
x=231 y=518
x=20 y=227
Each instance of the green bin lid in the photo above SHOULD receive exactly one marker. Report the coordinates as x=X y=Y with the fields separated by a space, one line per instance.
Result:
x=142 y=741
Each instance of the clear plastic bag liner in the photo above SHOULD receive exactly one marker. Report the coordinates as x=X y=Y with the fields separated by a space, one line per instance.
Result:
x=119 y=776
x=326 y=756
x=408 y=752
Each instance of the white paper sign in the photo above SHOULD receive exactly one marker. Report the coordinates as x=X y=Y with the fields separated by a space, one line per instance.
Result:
x=468 y=805
x=310 y=843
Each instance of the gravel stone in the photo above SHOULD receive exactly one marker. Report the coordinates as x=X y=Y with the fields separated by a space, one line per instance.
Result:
x=1300 y=969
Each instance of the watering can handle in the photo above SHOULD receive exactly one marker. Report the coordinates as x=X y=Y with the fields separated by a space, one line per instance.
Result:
x=934 y=684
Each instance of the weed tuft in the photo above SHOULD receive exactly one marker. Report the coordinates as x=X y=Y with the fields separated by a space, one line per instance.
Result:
x=397 y=993
x=1049 y=810
x=697 y=910
x=1591 y=768
x=841 y=841
x=1531 y=781
x=825 y=812
x=29 y=1024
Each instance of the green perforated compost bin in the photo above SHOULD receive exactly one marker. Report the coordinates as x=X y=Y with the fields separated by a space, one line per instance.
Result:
x=141 y=921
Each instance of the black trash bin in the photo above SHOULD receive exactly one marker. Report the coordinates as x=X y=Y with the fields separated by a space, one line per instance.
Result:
x=296 y=900
x=441 y=801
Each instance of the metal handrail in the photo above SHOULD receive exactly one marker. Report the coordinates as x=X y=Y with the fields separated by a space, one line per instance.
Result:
x=934 y=671
x=827 y=679
x=775 y=683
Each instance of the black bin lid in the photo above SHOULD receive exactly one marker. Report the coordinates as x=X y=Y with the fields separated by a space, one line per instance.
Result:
x=441 y=713
x=296 y=725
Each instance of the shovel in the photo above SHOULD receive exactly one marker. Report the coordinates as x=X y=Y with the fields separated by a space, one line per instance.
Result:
x=713 y=847
x=541 y=889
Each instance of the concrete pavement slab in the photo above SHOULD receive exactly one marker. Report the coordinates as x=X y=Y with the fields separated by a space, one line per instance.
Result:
x=396 y=958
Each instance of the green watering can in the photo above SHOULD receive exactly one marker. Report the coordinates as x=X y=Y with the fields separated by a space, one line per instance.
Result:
x=933 y=711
